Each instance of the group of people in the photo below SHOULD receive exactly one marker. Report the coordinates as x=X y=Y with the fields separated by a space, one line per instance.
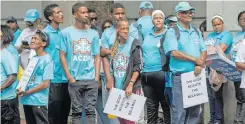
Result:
x=79 y=65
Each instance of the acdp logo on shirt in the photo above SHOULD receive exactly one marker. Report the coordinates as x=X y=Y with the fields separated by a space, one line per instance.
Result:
x=81 y=50
x=120 y=64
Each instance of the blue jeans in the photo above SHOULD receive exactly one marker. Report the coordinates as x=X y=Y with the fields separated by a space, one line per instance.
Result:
x=181 y=115
x=101 y=101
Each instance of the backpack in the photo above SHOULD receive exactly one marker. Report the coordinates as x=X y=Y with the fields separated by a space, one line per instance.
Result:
x=165 y=59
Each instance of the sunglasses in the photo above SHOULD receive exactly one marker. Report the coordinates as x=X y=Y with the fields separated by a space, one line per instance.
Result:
x=95 y=18
x=188 y=12
x=107 y=27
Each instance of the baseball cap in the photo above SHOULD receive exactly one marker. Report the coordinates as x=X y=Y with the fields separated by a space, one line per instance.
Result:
x=183 y=6
x=11 y=19
x=146 y=5
x=31 y=15
x=171 y=19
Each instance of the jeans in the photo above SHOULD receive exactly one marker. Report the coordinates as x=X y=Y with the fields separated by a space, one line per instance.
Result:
x=101 y=101
x=216 y=104
x=181 y=115
x=59 y=103
x=83 y=92
x=240 y=96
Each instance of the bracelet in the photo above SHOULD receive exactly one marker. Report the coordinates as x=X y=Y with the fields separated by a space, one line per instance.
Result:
x=132 y=82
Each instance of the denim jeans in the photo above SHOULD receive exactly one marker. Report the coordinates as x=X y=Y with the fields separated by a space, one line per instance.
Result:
x=181 y=115
x=101 y=101
x=83 y=92
x=240 y=96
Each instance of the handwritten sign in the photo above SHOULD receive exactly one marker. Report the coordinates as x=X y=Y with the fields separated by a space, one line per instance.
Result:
x=121 y=106
x=194 y=89
x=225 y=66
x=27 y=74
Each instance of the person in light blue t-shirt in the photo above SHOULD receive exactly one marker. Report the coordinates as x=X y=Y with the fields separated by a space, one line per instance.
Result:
x=153 y=76
x=144 y=23
x=35 y=96
x=126 y=64
x=59 y=99
x=240 y=92
x=187 y=54
x=80 y=59
x=8 y=70
x=223 y=39
x=12 y=23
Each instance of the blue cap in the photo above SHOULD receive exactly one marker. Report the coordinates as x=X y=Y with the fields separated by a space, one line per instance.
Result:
x=183 y=6
x=31 y=15
x=146 y=5
x=171 y=19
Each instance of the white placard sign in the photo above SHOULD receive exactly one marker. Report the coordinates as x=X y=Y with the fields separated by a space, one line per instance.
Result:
x=194 y=89
x=27 y=74
x=121 y=106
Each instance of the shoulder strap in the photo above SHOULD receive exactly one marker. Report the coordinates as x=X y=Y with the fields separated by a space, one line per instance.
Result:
x=177 y=32
x=196 y=31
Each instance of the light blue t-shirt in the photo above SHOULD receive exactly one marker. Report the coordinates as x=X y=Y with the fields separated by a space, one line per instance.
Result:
x=120 y=63
x=109 y=36
x=223 y=37
x=151 y=54
x=190 y=43
x=146 y=25
x=80 y=47
x=237 y=39
x=16 y=35
x=54 y=40
x=15 y=53
x=8 y=66
x=43 y=71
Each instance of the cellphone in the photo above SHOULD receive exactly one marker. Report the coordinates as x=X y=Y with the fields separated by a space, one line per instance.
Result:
x=25 y=43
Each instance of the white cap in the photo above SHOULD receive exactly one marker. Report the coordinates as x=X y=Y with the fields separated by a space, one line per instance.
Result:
x=157 y=11
x=218 y=16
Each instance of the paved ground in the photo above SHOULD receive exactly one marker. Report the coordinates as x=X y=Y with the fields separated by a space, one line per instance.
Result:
x=229 y=106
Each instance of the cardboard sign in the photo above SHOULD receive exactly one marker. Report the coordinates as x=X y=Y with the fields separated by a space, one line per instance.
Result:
x=194 y=89
x=121 y=106
x=27 y=74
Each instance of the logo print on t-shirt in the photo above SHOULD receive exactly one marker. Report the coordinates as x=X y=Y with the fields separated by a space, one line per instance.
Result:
x=81 y=50
x=120 y=65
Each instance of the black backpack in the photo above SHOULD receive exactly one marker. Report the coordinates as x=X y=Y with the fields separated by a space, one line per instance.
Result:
x=165 y=59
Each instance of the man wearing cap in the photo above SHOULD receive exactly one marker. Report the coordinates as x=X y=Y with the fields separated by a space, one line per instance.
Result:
x=12 y=23
x=144 y=23
x=32 y=20
x=187 y=53
x=171 y=21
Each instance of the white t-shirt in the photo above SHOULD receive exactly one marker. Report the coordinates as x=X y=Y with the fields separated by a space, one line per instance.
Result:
x=25 y=35
x=240 y=57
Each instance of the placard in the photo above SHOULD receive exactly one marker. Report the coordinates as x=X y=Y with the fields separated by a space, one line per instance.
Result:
x=120 y=105
x=194 y=89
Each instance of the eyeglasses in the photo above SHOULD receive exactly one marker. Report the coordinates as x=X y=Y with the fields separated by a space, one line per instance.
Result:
x=188 y=12
x=95 y=18
x=105 y=27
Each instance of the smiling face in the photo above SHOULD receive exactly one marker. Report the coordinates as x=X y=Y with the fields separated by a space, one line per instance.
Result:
x=36 y=42
x=218 y=25
x=185 y=16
